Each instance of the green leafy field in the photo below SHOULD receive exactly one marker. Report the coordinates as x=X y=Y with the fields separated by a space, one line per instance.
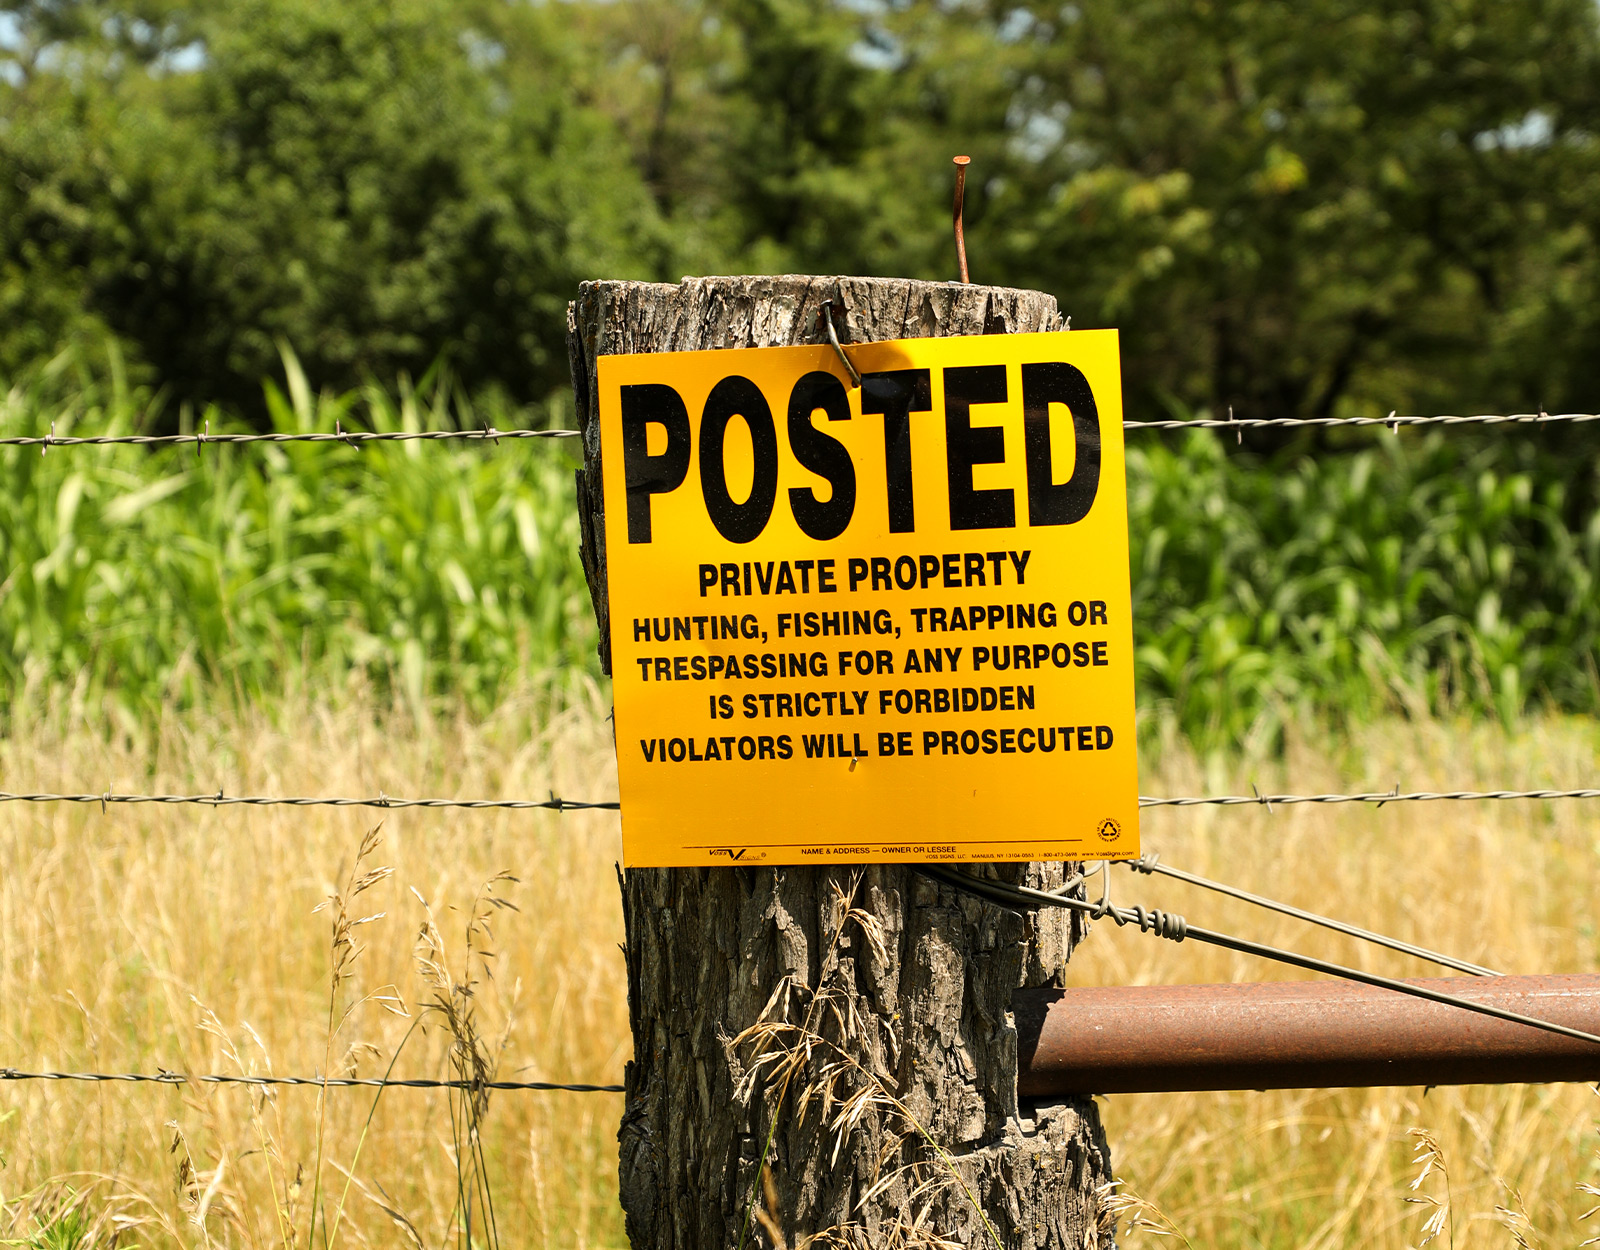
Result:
x=165 y=576
x=1419 y=572
x=1422 y=572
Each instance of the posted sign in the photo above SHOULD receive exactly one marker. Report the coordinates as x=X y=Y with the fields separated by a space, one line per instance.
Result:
x=886 y=622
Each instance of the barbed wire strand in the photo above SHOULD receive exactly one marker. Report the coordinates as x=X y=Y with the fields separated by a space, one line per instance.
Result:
x=1149 y=863
x=220 y=799
x=1393 y=421
x=489 y=434
x=352 y=438
x=1379 y=798
x=223 y=1078
x=1175 y=928
x=557 y=804
x=1163 y=924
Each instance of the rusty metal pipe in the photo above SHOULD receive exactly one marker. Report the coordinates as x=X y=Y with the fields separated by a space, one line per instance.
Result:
x=1299 y=1035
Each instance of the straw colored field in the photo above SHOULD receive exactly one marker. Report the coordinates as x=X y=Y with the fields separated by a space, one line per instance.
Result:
x=1509 y=885
x=120 y=932
x=123 y=930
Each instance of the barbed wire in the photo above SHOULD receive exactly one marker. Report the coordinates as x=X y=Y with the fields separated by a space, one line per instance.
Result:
x=329 y=1082
x=1380 y=797
x=220 y=799
x=1393 y=421
x=353 y=438
x=356 y=438
x=557 y=804
x=1163 y=924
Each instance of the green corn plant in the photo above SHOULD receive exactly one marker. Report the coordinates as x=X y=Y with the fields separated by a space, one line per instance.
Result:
x=154 y=576
x=1424 y=572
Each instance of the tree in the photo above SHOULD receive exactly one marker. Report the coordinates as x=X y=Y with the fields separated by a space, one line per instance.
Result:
x=370 y=183
x=1287 y=207
x=1307 y=208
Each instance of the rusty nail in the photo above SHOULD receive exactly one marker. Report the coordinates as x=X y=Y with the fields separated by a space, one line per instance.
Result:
x=961 y=163
x=826 y=313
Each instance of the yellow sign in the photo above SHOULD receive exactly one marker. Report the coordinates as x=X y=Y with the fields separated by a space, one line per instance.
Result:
x=886 y=622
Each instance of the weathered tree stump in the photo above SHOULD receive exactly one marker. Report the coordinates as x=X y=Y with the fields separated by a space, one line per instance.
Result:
x=914 y=1020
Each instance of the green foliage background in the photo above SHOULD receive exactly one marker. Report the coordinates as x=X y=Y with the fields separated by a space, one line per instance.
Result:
x=1309 y=207
x=1288 y=206
x=1420 y=572
x=144 y=579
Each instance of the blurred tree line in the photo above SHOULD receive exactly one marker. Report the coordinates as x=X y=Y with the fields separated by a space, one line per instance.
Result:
x=1289 y=207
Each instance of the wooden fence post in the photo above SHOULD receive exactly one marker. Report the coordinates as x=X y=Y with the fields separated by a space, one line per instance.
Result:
x=900 y=988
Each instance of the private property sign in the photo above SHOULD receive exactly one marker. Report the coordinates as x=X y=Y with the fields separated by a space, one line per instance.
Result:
x=876 y=623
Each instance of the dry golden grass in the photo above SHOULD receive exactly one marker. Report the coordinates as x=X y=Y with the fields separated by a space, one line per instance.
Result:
x=1511 y=885
x=123 y=934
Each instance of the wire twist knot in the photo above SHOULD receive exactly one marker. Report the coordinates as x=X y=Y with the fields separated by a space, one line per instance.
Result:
x=1164 y=924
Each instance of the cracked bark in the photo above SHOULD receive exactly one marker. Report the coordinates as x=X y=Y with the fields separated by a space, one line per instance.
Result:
x=707 y=947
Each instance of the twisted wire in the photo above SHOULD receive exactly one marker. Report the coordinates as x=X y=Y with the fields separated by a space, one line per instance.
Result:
x=324 y=1082
x=1150 y=863
x=1393 y=421
x=219 y=799
x=557 y=804
x=1380 y=798
x=1024 y=898
x=355 y=438
x=1163 y=924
